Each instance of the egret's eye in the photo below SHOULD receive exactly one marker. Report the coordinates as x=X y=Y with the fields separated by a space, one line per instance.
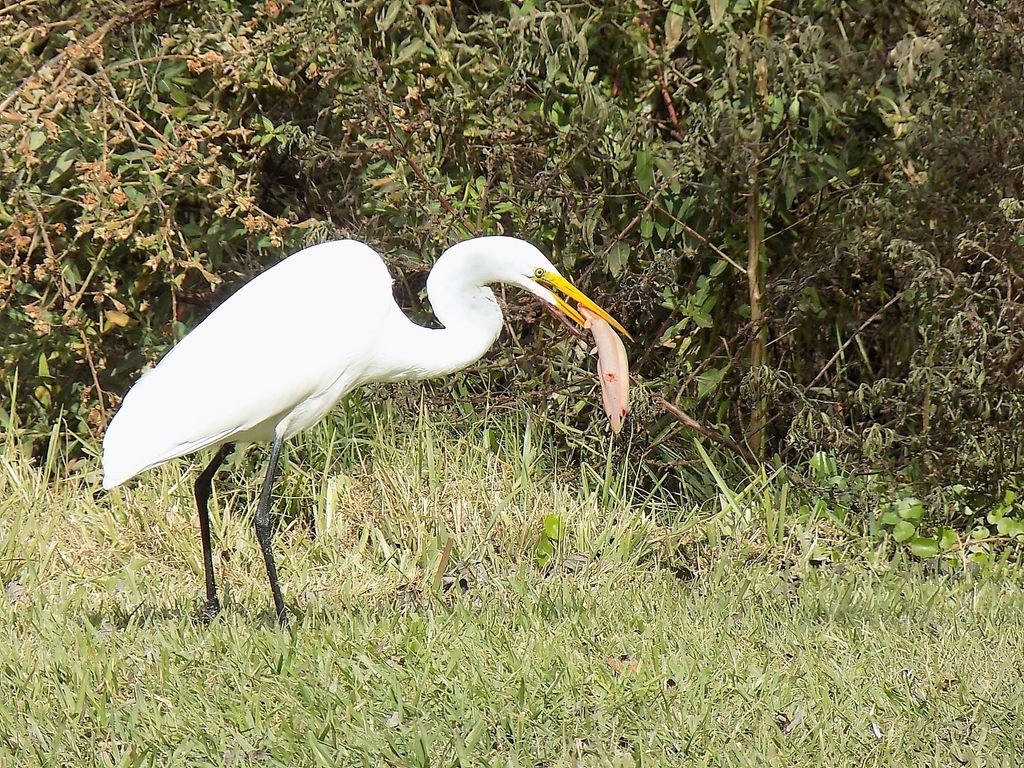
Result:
x=538 y=273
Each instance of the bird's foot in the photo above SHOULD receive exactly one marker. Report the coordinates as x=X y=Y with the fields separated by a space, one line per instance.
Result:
x=209 y=610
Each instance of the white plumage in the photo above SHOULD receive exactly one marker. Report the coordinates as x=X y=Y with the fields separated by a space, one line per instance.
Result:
x=277 y=355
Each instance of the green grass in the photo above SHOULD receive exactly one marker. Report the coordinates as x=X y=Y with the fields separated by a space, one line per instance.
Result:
x=692 y=631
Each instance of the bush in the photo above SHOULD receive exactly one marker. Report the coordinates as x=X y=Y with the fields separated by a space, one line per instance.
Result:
x=807 y=213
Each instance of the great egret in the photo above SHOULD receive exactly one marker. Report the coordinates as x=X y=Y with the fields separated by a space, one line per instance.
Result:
x=278 y=354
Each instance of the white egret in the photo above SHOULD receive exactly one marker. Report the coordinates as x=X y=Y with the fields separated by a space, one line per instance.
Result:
x=277 y=355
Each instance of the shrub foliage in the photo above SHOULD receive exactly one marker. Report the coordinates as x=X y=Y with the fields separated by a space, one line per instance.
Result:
x=810 y=214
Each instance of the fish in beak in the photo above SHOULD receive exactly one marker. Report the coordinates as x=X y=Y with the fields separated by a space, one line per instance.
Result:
x=612 y=365
x=563 y=291
x=612 y=368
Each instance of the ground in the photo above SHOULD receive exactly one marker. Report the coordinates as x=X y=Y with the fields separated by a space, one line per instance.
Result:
x=654 y=634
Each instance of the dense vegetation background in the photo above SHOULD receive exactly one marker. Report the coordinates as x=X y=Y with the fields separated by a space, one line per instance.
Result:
x=810 y=214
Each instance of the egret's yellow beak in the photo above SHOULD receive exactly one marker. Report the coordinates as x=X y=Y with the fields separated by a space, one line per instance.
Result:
x=562 y=290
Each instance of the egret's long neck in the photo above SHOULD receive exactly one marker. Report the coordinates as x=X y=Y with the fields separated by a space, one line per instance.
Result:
x=469 y=312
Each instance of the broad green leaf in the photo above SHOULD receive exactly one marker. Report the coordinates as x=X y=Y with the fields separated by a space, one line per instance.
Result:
x=890 y=517
x=814 y=122
x=544 y=550
x=674 y=21
x=903 y=531
x=923 y=547
x=617 y=258
x=114 y=317
x=62 y=164
x=911 y=508
x=553 y=527
x=947 y=538
x=708 y=380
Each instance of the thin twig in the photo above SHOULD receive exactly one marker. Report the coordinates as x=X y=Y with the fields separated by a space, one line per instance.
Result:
x=404 y=152
x=144 y=10
x=710 y=434
x=700 y=238
x=149 y=60
x=95 y=375
x=51 y=63
x=856 y=333
x=665 y=97
x=15 y=6
x=651 y=201
x=751 y=328
x=987 y=540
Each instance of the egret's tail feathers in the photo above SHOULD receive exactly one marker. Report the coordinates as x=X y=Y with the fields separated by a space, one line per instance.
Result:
x=113 y=479
x=124 y=458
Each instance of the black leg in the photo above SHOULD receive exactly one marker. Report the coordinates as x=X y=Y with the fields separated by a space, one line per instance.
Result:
x=204 y=485
x=263 y=528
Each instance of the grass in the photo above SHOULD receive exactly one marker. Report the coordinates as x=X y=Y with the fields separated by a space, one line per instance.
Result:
x=687 y=630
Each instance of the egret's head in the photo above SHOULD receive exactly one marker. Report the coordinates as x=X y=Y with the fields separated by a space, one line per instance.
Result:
x=481 y=261
x=554 y=290
x=531 y=270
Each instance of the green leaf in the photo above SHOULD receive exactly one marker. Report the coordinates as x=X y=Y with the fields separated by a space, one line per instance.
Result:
x=522 y=10
x=794 y=109
x=385 y=22
x=904 y=531
x=814 y=122
x=62 y=164
x=923 y=547
x=617 y=258
x=644 y=170
x=836 y=167
x=552 y=67
x=408 y=50
x=552 y=527
x=674 y=22
x=708 y=380
x=179 y=96
x=890 y=517
x=718 y=8
x=947 y=538
x=911 y=508
x=36 y=139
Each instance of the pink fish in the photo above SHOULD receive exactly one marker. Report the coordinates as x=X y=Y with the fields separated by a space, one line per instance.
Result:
x=612 y=368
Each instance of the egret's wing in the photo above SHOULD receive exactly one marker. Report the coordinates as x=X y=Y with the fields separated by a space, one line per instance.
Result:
x=284 y=337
